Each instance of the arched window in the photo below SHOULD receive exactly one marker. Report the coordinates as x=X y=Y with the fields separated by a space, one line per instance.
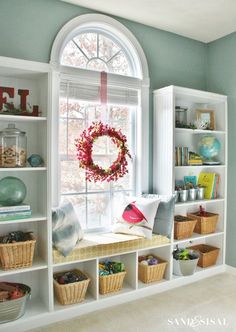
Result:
x=84 y=47
x=95 y=50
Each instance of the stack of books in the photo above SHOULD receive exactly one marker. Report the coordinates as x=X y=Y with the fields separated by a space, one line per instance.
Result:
x=15 y=212
x=194 y=159
x=211 y=183
x=181 y=156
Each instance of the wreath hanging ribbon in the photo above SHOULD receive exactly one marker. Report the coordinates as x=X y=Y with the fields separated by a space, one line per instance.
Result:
x=84 y=147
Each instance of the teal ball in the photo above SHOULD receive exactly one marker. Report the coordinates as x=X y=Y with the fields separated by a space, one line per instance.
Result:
x=12 y=191
x=35 y=160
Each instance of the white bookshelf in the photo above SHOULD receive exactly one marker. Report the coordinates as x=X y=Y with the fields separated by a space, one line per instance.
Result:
x=43 y=308
x=35 y=77
x=167 y=137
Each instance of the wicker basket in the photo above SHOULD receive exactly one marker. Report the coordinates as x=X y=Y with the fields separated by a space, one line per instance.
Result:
x=111 y=283
x=17 y=255
x=184 y=229
x=151 y=273
x=205 y=225
x=71 y=293
x=208 y=254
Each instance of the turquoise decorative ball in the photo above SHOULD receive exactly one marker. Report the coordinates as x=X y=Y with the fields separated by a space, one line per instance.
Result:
x=12 y=191
x=209 y=147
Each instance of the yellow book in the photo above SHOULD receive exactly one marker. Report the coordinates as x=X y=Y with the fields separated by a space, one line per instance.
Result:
x=207 y=180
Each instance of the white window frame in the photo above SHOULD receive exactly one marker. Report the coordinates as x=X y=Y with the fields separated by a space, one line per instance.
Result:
x=141 y=82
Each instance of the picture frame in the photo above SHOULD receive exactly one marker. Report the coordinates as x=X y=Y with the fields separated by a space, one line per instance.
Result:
x=205 y=119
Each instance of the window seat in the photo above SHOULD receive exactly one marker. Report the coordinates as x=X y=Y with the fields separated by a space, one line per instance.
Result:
x=105 y=244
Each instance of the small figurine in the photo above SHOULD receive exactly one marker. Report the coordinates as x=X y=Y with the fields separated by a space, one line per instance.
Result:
x=35 y=160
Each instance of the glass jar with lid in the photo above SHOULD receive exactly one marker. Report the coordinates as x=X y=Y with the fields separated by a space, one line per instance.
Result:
x=13 y=147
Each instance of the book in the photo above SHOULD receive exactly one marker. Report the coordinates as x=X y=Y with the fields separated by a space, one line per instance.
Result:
x=190 y=179
x=216 y=185
x=21 y=207
x=15 y=215
x=207 y=180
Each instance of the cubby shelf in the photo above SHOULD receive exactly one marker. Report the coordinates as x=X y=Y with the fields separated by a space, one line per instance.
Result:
x=199 y=167
x=35 y=217
x=38 y=264
x=21 y=118
x=196 y=236
x=23 y=169
x=198 y=202
x=198 y=131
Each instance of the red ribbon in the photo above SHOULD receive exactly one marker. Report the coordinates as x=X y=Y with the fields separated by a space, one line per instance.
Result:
x=103 y=89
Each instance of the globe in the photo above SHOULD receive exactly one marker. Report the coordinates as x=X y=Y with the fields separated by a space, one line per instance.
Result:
x=12 y=191
x=209 y=147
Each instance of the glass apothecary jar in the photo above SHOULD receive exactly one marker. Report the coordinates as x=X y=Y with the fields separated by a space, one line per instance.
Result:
x=180 y=116
x=13 y=147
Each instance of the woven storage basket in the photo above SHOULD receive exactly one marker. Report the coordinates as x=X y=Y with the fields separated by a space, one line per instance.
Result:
x=208 y=254
x=71 y=293
x=184 y=229
x=17 y=255
x=205 y=225
x=151 y=273
x=111 y=283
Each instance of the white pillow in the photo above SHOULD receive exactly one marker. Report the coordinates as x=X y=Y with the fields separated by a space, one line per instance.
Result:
x=136 y=216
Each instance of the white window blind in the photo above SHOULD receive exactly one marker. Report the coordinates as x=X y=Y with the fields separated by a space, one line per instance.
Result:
x=91 y=93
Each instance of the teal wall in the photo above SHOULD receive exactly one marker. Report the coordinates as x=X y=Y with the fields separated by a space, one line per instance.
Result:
x=28 y=29
x=221 y=78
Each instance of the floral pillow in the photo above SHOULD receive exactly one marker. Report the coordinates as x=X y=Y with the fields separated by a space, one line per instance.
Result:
x=136 y=216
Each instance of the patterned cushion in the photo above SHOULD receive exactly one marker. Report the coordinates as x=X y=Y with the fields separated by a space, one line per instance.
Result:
x=136 y=216
x=66 y=228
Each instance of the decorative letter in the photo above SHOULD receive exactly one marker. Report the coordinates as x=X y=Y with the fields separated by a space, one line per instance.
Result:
x=23 y=94
x=3 y=100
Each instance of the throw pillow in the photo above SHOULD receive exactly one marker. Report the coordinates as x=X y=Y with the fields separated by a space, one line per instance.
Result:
x=136 y=216
x=66 y=228
x=164 y=219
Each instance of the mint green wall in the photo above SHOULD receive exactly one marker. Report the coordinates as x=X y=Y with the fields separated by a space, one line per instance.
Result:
x=221 y=78
x=28 y=28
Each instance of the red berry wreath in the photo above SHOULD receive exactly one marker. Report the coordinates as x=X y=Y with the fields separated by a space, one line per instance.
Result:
x=84 y=147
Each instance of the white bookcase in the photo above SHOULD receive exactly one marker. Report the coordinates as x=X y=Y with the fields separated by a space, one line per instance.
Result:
x=35 y=77
x=43 y=307
x=167 y=137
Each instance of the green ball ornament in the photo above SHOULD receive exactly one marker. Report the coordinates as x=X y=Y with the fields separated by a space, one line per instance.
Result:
x=12 y=191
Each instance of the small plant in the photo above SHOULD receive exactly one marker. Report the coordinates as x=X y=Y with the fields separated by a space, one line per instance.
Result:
x=185 y=254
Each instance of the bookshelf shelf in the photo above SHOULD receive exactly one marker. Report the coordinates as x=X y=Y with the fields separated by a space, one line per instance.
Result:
x=198 y=202
x=198 y=131
x=23 y=169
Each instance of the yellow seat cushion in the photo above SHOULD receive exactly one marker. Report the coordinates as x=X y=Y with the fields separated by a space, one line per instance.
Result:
x=105 y=244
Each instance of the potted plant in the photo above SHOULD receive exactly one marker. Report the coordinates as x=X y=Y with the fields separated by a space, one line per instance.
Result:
x=184 y=261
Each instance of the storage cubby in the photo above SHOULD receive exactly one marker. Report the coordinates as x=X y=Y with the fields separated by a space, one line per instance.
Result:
x=130 y=280
x=164 y=253
x=38 y=282
x=216 y=241
x=90 y=269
